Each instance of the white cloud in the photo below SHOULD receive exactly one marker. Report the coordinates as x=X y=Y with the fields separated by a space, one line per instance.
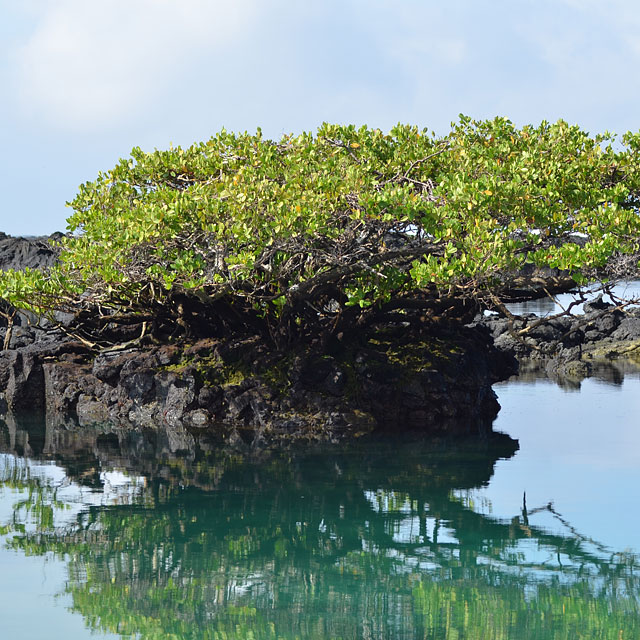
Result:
x=415 y=33
x=590 y=57
x=201 y=64
x=91 y=65
x=445 y=50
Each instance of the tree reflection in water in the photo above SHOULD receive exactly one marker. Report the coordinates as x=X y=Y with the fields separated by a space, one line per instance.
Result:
x=374 y=541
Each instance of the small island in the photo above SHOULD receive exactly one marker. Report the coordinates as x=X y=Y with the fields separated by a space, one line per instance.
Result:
x=323 y=286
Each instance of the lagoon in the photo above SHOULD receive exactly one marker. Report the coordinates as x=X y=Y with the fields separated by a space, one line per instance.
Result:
x=139 y=536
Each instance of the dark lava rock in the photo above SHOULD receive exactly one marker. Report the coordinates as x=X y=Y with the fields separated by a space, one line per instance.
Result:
x=431 y=383
x=35 y=253
x=24 y=382
x=565 y=336
x=598 y=304
x=628 y=328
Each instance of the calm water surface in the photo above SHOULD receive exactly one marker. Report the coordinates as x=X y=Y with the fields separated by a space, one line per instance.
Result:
x=629 y=290
x=157 y=536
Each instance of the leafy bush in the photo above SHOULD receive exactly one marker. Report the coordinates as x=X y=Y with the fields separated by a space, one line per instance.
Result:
x=316 y=227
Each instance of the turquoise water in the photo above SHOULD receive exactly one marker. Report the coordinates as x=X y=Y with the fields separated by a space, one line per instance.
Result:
x=159 y=536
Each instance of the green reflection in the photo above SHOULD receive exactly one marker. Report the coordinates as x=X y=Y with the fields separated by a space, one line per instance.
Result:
x=379 y=541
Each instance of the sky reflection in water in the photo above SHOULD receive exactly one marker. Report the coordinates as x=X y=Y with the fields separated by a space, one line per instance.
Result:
x=580 y=450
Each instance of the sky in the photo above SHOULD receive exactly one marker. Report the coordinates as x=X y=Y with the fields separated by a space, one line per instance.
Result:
x=84 y=82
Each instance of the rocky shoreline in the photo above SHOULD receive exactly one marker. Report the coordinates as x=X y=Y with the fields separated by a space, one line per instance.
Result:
x=243 y=390
x=252 y=395
x=246 y=394
x=569 y=346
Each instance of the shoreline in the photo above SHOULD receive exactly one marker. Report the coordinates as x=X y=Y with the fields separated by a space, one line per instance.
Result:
x=435 y=380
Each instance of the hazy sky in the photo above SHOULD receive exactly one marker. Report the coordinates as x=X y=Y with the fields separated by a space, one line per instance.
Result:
x=85 y=81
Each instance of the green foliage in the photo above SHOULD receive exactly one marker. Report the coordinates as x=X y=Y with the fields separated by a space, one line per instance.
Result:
x=345 y=218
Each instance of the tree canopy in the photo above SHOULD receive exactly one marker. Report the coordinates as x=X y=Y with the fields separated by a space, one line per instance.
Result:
x=341 y=225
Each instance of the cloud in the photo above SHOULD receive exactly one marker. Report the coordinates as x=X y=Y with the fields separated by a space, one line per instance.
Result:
x=575 y=59
x=90 y=65
x=180 y=69
x=590 y=57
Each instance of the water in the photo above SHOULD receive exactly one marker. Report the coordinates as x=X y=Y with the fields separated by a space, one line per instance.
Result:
x=549 y=306
x=155 y=535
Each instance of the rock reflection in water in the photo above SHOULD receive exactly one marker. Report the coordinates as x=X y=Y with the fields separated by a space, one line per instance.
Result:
x=374 y=540
x=611 y=372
